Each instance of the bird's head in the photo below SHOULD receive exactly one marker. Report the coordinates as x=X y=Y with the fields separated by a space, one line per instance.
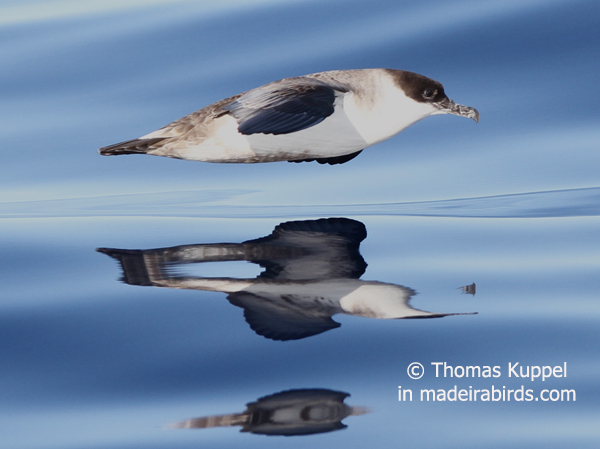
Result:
x=428 y=91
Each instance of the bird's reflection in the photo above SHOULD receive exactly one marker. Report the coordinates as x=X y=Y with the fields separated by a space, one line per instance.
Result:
x=312 y=271
x=288 y=413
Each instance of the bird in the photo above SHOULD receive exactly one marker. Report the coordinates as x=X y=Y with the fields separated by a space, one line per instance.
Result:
x=328 y=117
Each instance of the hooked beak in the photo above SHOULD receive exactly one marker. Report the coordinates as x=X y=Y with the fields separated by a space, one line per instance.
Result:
x=447 y=106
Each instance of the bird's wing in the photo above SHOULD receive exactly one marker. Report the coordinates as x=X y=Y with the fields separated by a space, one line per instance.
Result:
x=308 y=396
x=284 y=106
x=331 y=160
x=277 y=320
x=325 y=249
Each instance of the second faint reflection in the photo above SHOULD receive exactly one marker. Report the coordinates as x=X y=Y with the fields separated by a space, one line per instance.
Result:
x=311 y=272
x=287 y=413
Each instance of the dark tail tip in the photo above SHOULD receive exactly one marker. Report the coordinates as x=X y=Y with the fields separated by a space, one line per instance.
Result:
x=135 y=146
x=132 y=263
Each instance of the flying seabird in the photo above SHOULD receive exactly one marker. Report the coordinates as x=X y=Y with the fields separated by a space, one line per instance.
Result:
x=328 y=117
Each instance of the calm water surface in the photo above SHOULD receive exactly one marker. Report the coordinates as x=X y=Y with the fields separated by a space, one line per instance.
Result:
x=141 y=295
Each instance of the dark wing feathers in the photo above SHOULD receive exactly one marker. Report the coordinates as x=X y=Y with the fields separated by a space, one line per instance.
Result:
x=331 y=160
x=284 y=107
x=280 y=323
x=269 y=121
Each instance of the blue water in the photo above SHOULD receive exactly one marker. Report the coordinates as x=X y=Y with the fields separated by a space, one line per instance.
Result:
x=511 y=204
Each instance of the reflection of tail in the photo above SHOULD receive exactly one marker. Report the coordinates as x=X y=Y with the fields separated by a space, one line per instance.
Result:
x=237 y=419
x=358 y=410
x=132 y=263
x=135 y=146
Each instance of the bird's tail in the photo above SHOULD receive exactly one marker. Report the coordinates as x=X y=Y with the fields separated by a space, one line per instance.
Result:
x=135 y=146
x=237 y=419
x=135 y=271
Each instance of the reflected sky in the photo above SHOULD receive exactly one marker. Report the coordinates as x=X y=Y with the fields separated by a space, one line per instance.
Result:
x=25 y=11
x=80 y=349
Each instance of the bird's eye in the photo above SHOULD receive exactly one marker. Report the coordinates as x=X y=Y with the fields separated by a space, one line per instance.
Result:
x=428 y=94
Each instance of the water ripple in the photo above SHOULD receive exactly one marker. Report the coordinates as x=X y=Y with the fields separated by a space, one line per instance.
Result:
x=210 y=203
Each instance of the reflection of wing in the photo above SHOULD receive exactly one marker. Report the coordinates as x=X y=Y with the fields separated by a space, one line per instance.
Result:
x=328 y=249
x=281 y=320
x=300 y=250
x=299 y=412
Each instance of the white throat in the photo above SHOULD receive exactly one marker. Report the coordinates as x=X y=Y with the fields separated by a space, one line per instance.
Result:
x=384 y=111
